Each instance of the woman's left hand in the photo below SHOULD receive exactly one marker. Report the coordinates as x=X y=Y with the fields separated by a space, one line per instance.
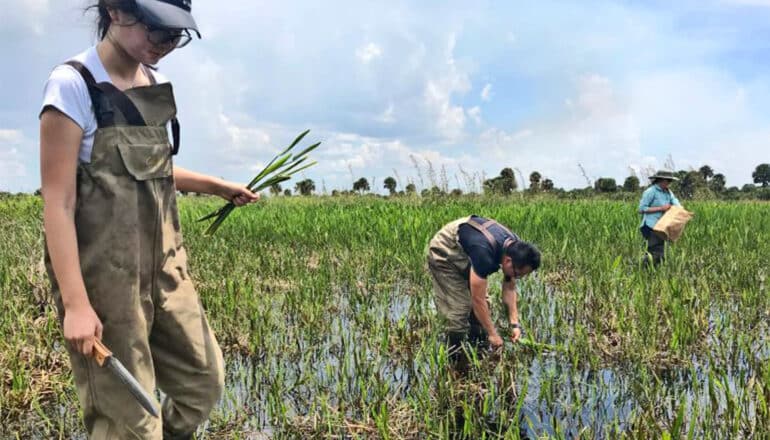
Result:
x=238 y=194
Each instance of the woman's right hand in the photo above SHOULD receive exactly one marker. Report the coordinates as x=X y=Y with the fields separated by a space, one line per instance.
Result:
x=81 y=326
x=665 y=207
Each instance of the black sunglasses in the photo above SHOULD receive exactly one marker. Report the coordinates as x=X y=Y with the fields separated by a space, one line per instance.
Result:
x=161 y=36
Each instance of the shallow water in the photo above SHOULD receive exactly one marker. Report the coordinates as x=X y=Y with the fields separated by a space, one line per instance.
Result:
x=561 y=400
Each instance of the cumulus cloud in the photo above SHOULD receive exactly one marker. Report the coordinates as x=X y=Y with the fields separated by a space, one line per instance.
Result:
x=346 y=153
x=475 y=114
x=368 y=53
x=611 y=87
x=486 y=92
x=449 y=118
x=595 y=128
x=12 y=168
x=10 y=137
x=387 y=117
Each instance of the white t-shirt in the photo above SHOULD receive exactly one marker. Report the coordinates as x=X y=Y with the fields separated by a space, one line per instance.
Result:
x=66 y=90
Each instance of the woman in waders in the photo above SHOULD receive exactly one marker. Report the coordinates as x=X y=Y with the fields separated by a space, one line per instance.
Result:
x=113 y=245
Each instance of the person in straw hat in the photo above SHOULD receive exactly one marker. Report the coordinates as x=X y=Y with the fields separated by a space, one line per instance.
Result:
x=656 y=200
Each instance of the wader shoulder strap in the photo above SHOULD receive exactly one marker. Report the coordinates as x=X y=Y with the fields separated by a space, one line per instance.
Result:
x=484 y=229
x=113 y=95
x=175 y=131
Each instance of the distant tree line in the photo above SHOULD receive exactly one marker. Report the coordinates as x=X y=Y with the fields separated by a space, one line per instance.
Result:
x=703 y=183
x=692 y=184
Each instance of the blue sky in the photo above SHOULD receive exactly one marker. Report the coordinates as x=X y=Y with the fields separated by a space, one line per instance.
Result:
x=468 y=86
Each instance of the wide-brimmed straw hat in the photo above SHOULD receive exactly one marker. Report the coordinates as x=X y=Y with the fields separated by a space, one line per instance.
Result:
x=664 y=174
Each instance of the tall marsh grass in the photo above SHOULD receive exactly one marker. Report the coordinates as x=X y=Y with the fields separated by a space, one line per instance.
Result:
x=324 y=310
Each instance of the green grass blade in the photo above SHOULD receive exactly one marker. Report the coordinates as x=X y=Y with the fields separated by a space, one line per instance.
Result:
x=293 y=165
x=296 y=141
x=213 y=214
x=221 y=218
x=307 y=150
x=269 y=170
x=287 y=149
x=302 y=168
x=272 y=181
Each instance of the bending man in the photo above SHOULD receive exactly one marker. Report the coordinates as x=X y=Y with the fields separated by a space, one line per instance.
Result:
x=460 y=258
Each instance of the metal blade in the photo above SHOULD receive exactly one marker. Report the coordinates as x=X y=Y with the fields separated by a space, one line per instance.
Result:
x=136 y=389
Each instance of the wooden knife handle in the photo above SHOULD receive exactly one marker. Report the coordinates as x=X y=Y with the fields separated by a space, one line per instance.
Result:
x=101 y=353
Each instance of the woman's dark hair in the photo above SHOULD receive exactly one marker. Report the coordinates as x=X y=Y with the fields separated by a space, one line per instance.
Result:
x=102 y=8
x=524 y=254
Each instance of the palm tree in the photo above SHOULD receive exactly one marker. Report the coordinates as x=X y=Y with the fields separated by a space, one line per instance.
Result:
x=718 y=183
x=706 y=172
x=762 y=174
x=390 y=185
x=361 y=185
x=305 y=187
x=631 y=184
x=605 y=184
x=504 y=184
x=534 y=181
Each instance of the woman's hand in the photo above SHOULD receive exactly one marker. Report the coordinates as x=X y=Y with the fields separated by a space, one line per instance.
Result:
x=81 y=326
x=238 y=194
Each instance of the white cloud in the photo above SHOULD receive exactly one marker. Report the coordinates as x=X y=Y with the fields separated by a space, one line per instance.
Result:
x=12 y=167
x=596 y=130
x=702 y=116
x=10 y=137
x=387 y=117
x=368 y=53
x=449 y=118
x=243 y=138
x=698 y=116
x=475 y=114
x=369 y=157
x=737 y=156
x=486 y=92
x=399 y=74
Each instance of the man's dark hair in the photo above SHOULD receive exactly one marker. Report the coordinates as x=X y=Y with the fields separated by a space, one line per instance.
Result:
x=524 y=254
x=103 y=7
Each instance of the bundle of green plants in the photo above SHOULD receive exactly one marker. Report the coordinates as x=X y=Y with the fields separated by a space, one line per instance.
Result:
x=280 y=169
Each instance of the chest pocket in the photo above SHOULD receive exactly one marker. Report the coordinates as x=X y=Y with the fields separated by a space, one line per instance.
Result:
x=145 y=162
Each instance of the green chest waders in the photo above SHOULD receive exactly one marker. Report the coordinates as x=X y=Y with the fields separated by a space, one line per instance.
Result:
x=134 y=266
x=450 y=267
